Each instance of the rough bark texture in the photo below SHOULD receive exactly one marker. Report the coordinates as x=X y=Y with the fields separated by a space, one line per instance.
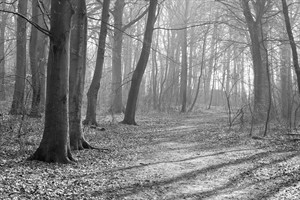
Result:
x=137 y=76
x=78 y=47
x=92 y=94
x=54 y=146
x=2 y=54
x=261 y=84
x=19 y=90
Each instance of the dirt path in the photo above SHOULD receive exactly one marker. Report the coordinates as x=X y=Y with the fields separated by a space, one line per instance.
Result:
x=166 y=157
x=194 y=158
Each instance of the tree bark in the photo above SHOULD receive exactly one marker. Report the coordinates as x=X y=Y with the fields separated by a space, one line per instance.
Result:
x=137 y=76
x=286 y=83
x=116 y=90
x=2 y=53
x=210 y=67
x=261 y=83
x=55 y=146
x=92 y=94
x=183 y=76
x=203 y=57
x=17 y=106
x=292 y=41
x=37 y=52
x=184 y=62
x=78 y=46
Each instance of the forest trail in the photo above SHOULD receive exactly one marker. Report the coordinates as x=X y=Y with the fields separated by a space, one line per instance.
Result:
x=194 y=157
x=167 y=157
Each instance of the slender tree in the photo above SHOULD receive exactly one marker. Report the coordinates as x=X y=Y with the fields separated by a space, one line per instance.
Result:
x=78 y=47
x=92 y=94
x=184 y=61
x=138 y=73
x=2 y=52
x=117 y=47
x=17 y=106
x=55 y=146
x=37 y=52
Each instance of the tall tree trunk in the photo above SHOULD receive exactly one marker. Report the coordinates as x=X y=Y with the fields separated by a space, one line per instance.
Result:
x=17 y=106
x=2 y=53
x=127 y=66
x=201 y=69
x=184 y=62
x=154 y=79
x=37 y=51
x=116 y=93
x=137 y=76
x=286 y=83
x=92 y=94
x=78 y=46
x=210 y=66
x=292 y=41
x=54 y=146
x=261 y=83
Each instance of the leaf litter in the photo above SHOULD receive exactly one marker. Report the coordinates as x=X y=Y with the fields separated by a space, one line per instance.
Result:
x=188 y=156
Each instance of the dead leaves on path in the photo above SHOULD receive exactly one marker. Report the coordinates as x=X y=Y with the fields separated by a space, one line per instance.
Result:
x=121 y=172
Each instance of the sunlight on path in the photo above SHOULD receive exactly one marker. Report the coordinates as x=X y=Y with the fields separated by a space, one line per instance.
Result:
x=180 y=168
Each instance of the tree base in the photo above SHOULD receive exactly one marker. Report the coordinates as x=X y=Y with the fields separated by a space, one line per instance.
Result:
x=129 y=122
x=52 y=157
x=88 y=122
x=81 y=144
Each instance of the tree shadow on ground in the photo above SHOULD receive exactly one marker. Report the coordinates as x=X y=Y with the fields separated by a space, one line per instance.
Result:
x=232 y=185
x=124 y=191
x=180 y=160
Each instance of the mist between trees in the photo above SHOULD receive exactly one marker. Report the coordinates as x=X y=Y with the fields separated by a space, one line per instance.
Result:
x=75 y=60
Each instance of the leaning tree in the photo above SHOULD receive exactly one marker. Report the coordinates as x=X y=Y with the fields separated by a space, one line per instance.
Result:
x=92 y=94
x=138 y=73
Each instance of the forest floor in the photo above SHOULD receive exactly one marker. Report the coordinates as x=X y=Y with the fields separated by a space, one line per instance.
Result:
x=166 y=157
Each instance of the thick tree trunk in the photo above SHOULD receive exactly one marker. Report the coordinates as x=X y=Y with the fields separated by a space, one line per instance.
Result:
x=18 y=97
x=54 y=146
x=78 y=47
x=261 y=83
x=129 y=117
x=116 y=90
x=92 y=94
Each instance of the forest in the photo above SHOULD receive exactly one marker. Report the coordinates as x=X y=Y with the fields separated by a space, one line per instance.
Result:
x=149 y=99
